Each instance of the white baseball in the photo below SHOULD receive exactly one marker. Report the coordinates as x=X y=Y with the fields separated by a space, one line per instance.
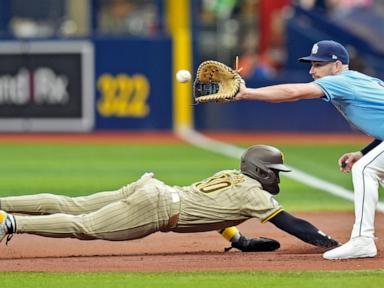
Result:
x=183 y=76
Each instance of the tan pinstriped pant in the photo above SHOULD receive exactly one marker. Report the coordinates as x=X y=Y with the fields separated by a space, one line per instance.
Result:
x=132 y=212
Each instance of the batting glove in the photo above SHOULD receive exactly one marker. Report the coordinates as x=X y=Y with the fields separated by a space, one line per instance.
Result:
x=255 y=244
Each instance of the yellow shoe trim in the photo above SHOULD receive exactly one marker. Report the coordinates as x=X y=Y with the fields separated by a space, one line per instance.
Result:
x=3 y=216
x=229 y=232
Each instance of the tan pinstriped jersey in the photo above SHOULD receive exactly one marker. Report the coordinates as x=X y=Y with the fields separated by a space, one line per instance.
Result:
x=225 y=199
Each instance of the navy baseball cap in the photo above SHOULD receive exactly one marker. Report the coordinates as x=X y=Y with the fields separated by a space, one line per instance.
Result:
x=327 y=51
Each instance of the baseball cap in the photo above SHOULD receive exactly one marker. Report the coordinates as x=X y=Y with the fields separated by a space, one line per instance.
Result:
x=327 y=51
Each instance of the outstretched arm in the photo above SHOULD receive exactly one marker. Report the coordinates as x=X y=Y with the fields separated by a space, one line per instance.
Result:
x=303 y=230
x=281 y=93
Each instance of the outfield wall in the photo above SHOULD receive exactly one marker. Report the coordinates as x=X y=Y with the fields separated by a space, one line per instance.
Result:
x=133 y=80
x=128 y=84
x=109 y=83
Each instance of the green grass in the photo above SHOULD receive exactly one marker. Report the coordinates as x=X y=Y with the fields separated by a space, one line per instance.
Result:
x=80 y=169
x=370 y=279
x=321 y=161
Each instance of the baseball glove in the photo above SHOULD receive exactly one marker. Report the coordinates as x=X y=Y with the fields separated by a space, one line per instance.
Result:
x=255 y=244
x=216 y=82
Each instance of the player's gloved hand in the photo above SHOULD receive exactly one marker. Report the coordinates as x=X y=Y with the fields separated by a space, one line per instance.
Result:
x=254 y=244
x=325 y=241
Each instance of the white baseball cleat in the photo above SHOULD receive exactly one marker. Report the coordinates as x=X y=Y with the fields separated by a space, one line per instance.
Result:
x=359 y=247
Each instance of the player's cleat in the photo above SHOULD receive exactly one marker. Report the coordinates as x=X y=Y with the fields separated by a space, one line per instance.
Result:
x=7 y=225
x=359 y=247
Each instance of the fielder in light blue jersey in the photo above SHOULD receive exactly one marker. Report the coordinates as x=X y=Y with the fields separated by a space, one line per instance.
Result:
x=360 y=99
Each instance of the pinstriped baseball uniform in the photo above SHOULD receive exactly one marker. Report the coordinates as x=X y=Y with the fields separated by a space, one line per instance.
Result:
x=144 y=207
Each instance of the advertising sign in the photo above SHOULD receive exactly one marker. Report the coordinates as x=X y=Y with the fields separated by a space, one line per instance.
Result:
x=46 y=86
x=133 y=84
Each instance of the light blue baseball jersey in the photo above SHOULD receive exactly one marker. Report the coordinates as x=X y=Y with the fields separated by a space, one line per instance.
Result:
x=359 y=98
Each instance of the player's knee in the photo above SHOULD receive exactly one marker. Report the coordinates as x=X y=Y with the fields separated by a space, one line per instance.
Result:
x=362 y=169
x=357 y=169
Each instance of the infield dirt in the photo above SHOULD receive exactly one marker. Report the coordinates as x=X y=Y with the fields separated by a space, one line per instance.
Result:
x=188 y=252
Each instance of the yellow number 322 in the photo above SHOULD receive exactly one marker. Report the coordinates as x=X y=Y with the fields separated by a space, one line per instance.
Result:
x=123 y=96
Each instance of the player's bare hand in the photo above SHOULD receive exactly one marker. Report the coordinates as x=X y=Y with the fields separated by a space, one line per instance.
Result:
x=240 y=94
x=347 y=160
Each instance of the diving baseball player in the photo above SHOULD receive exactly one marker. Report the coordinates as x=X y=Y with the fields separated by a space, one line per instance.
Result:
x=148 y=205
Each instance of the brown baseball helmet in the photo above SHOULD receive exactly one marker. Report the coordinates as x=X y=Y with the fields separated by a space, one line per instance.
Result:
x=263 y=163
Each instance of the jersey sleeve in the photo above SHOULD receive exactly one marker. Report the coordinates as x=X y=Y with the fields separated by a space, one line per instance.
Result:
x=335 y=87
x=272 y=215
x=261 y=204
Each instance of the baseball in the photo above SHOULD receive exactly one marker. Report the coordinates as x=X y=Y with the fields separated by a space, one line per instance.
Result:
x=183 y=76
